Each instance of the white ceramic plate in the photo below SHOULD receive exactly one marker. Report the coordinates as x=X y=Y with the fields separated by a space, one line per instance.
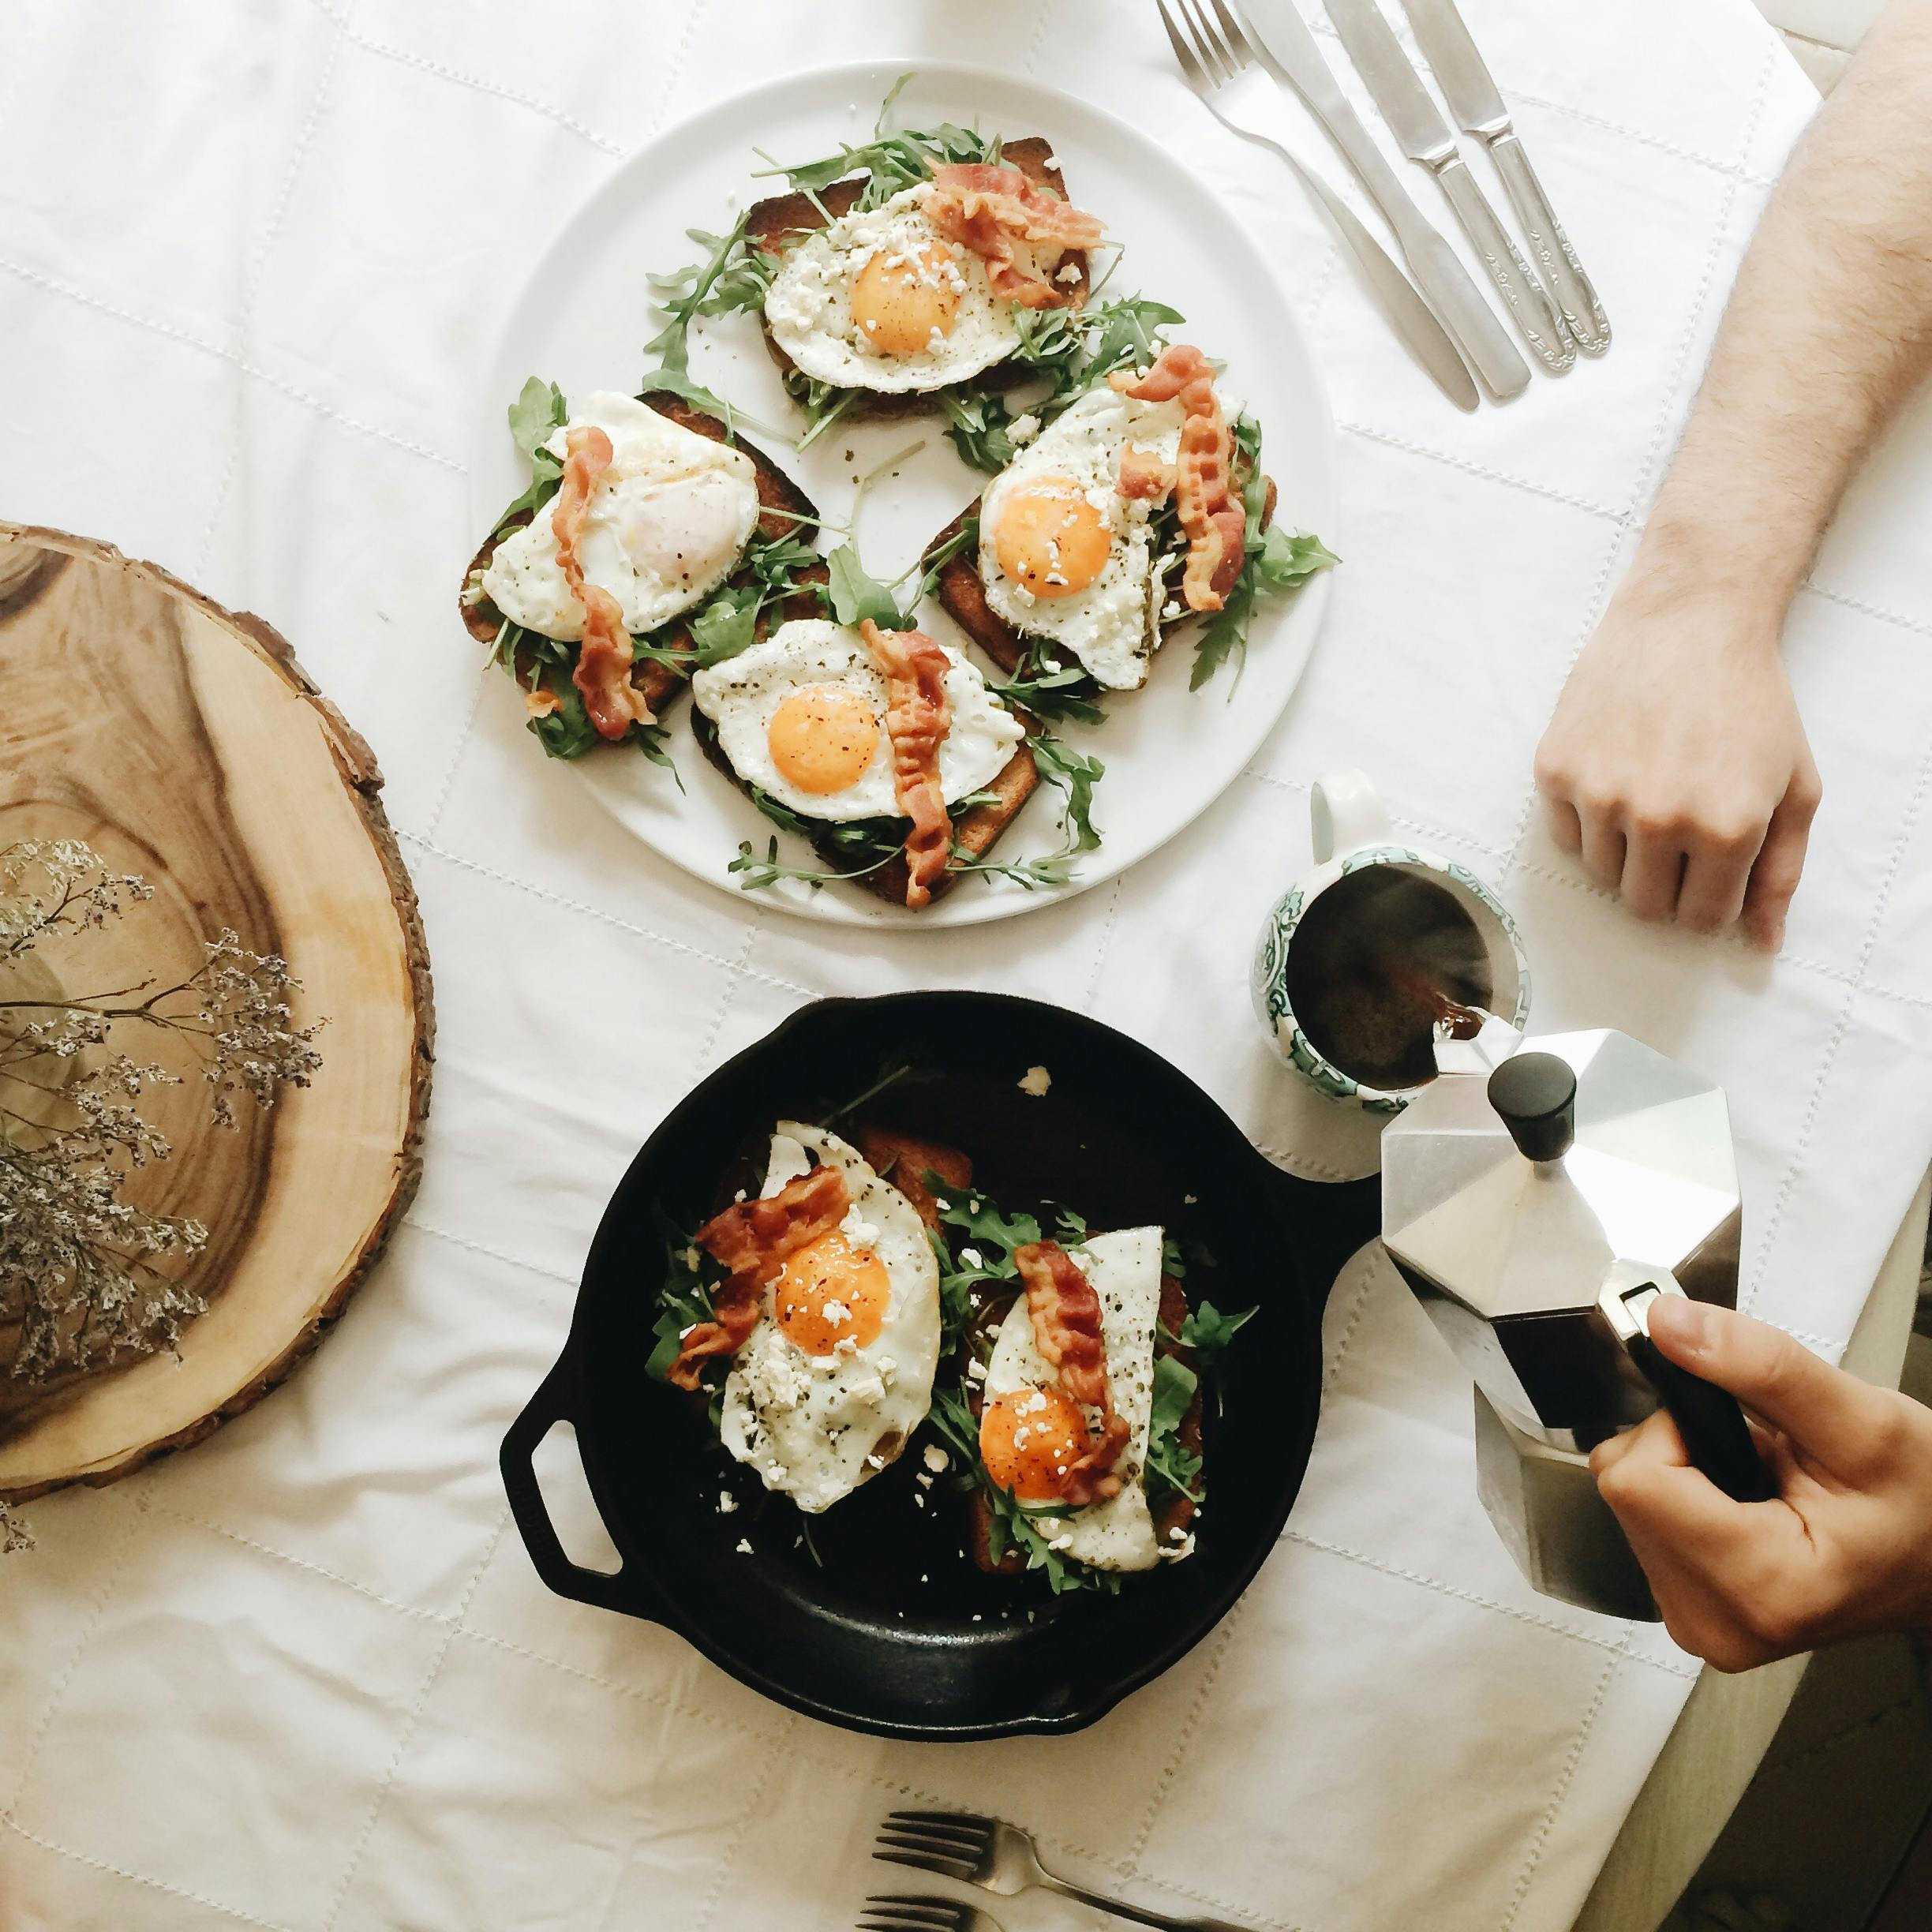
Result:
x=586 y=311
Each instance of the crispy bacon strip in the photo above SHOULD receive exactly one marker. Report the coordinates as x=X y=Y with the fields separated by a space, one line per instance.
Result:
x=1066 y=1313
x=1019 y=230
x=1144 y=476
x=755 y=1239
x=1213 y=518
x=918 y=717
x=603 y=669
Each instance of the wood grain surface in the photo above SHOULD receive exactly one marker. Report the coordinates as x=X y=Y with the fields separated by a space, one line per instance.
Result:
x=186 y=744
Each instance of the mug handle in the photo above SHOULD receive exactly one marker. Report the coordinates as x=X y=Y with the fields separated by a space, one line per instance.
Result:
x=1344 y=815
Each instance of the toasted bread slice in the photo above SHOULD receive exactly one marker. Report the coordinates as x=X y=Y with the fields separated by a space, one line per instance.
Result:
x=962 y=595
x=776 y=224
x=1176 y=1514
x=785 y=511
x=905 y=1160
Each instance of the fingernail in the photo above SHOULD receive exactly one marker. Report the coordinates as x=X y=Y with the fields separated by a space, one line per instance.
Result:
x=1682 y=1325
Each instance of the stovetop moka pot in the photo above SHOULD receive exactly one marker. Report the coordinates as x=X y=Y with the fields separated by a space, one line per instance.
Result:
x=1538 y=1209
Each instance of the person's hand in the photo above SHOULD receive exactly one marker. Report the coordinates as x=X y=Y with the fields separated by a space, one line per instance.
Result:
x=1845 y=1549
x=1675 y=765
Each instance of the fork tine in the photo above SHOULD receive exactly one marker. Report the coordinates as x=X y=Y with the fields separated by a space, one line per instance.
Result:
x=970 y=1834
x=926 y=1914
x=936 y=1850
x=968 y=1820
x=1206 y=42
x=1191 y=68
x=1238 y=49
x=941 y=1868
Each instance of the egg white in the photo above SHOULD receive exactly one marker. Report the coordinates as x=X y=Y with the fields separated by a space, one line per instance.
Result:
x=1113 y=625
x=740 y=696
x=808 y=306
x=815 y=1427
x=665 y=525
x=1125 y=1268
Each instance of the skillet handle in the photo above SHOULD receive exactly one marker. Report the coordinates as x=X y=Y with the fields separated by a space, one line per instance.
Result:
x=548 y=1407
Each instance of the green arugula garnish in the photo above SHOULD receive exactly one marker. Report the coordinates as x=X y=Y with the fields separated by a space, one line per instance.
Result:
x=1075 y=774
x=891 y=162
x=1014 y=1524
x=1275 y=560
x=1207 y=1331
x=1064 y=691
x=985 y=1255
x=684 y=1297
x=1168 y=1464
x=736 y=274
x=1072 y=350
x=538 y=413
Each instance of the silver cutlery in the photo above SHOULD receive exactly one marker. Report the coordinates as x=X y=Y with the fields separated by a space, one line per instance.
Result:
x=1423 y=134
x=1280 y=38
x=989 y=1852
x=1463 y=77
x=891 y=1913
x=1243 y=99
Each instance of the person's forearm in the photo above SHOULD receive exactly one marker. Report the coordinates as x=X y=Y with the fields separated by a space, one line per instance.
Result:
x=1829 y=328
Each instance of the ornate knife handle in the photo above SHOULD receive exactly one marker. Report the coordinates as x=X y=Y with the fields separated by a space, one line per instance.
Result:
x=1536 y=315
x=1551 y=246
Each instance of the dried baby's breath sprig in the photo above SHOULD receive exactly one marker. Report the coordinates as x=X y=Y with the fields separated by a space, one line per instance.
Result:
x=81 y=1268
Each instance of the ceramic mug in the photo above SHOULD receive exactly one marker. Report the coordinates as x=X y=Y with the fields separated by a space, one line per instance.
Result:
x=1352 y=832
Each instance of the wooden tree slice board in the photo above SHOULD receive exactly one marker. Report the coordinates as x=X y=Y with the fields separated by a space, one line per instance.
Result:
x=186 y=744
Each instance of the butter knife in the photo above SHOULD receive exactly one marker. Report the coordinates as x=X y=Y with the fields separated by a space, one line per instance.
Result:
x=1283 y=45
x=1423 y=134
x=1474 y=100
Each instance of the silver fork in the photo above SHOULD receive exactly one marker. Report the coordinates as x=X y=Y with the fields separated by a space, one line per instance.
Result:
x=896 y=1912
x=1000 y=1857
x=1243 y=100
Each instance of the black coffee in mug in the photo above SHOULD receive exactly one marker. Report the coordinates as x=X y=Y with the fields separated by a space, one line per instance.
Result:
x=1379 y=959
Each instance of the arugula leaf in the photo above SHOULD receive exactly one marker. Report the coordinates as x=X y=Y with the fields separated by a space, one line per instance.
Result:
x=995 y=1235
x=1168 y=1464
x=755 y=874
x=1074 y=773
x=1065 y=691
x=654 y=742
x=890 y=163
x=726 y=626
x=1173 y=1261
x=978 y=421
x=677 y=383
x=567 y=731
x=855 y=597
x=539 y=410
x=1274 y=561
x=1286 y=560
x=684 y=1296
x=1207 y=1331
x=823 y=403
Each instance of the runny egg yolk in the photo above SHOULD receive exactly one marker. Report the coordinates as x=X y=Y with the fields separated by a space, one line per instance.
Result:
x=898 y=300
x=823 y=738
x=1028 y=1441
x=1050 y=540
x=831 y=1292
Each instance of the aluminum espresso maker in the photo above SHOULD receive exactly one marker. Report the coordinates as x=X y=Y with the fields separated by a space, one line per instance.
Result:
x=1538 y=1206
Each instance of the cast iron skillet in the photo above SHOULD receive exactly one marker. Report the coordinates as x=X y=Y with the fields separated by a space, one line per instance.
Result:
x=897 y=1632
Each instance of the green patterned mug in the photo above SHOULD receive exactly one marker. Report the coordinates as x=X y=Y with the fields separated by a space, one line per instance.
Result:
x=1352 y=832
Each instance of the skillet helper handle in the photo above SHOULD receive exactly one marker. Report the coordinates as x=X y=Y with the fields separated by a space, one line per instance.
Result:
x=1134 y=1915
x=1711 y=1421
x=550 y=1406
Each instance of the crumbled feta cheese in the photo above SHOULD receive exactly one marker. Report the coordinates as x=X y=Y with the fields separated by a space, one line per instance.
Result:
x=1023 y=429
x=977 y=1370
x=1188 y=1200
x=727 y=1502
x=1069 y=273
x=973 y=1257
x=744 y=1546
x=936 y=1458
x=923 y=1481
x=1035 y=1081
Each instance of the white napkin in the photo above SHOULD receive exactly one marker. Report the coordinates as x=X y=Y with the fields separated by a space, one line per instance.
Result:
x=250 y=260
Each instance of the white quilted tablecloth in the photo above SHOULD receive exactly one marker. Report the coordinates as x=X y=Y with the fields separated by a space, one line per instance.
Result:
x=252 y=258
